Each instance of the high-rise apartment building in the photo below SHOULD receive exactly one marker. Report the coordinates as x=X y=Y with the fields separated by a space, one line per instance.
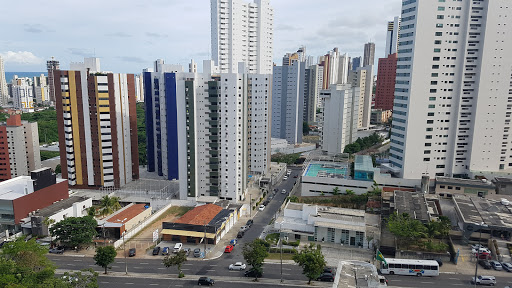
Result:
x=41 y=90
x=336 y=68
x=363 y=80
x=23 y=97
x=369 y=54
x=386 y=77
x=97 y=124
x=356 y=63
x=392 y=36
x=52 y=65
x=299 y=56
x=288 y=102
x=339 y=117
x=4 y=94
x=242 y=32
x=208 y=130
x=19 y=148
x=453 y=89
x=312 y=87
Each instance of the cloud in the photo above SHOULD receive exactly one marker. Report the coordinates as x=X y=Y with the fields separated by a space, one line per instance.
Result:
x=80 y=52
x=156 y=35
x=21 y=57
x=132 y=59
x=36 y=28
x=119 y=34
x=286 y=27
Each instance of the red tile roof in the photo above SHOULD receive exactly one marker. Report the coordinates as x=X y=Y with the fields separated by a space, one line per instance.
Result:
x=200 y=215
x=128 y=213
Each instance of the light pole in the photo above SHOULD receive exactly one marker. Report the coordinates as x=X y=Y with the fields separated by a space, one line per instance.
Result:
x=281 y=247
x=124 y=245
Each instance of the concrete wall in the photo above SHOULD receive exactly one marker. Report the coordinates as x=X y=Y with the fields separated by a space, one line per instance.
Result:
x=138 y=219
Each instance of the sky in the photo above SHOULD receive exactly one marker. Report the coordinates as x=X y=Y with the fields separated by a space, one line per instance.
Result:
x=128 y=35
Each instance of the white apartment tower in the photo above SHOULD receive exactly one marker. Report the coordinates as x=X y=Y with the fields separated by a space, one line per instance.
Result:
x=242 y=32
x=453 y=95
x=4 y=94
x=392 y=36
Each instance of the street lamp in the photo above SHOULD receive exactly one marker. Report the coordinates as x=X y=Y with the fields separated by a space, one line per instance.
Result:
x=124 y=246
x=478 y=250
x=281 y=247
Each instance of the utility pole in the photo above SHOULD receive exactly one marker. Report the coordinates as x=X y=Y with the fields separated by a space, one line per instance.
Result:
x=281 y=245
x=204 y=240
x=250 y=205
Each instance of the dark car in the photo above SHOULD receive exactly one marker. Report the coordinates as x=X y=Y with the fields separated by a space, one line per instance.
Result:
x=156 y=250
x=329 y=270
x=56 y=250
x=197 y=252
x=266 y=202
x=132 y=252
x=439 y=261
x=249 y=222
x=187 y=251
x=253 y=273
x=205 y=281
x=485 y=264
x=240 y=234
x=326 y=277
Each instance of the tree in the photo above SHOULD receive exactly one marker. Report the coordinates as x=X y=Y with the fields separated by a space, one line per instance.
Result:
x=85 y=278
x=105 y=256
x=405 y=228
x=305 y=128
x=75 y=231
x=176 y=260
x=335 y=191
x=92 y=211
x=350 y=192
x=58 y=169
x=311 y=260
x=255 y=253
x=109 y=205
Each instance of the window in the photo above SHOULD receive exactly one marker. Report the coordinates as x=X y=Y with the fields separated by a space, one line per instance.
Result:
x=439 y=33
x=430 y=114
x=442 y=186
x=439 y=25
x=433 y=90
x=431 y=106
x=432 y=98
x=437 y=50
x=440 y=16
x=426 y=159
x=428 y=136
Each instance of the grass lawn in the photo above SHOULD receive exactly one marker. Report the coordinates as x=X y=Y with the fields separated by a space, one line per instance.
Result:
x=277 y=256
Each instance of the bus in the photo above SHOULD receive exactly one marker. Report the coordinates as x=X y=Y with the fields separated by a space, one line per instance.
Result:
x=410 y=267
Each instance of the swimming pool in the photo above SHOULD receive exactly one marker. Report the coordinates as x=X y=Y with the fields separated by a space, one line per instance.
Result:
x=319 y=169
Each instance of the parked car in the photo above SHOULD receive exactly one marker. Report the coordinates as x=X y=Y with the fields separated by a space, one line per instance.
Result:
x=253 y=273
x=205 y=281
x=56 y=250
x=485 y=264
x=237 y=266
x=187 y=251
x=244 y=228
x=156 y=250
x=496 y=265
x=240 y=234
x=249 y=223
x=326 y=277
x=481 y=250
x=262 y=207
x=329 y=270
x=296 y=176
x=233 y=242
x=476 y=246
x=266 y=202
x=288 y=172
x=197 y=252
x=283 y=191
x=177 y=247
x=484 y=280
x=132 y=252
x=165 y=251
x=285 y=177
x=383 y=281
x=229 y=248
x=506 y=266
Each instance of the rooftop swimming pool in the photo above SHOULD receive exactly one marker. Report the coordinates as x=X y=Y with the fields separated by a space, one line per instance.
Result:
x=327 y=170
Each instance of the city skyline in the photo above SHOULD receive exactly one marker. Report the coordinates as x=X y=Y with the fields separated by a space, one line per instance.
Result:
x=141 y=38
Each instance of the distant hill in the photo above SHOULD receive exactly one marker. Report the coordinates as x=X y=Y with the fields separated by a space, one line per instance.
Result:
x=10 y=75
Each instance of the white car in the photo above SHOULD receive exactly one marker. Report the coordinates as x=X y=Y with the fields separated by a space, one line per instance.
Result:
x=283 y=191
x=262 y=207
x=237 y=266
x=482 y=250
x=177 y=247
x=285 y=177
x=484 y=280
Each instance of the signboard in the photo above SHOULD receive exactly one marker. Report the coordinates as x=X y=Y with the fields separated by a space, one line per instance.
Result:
x=155 y=235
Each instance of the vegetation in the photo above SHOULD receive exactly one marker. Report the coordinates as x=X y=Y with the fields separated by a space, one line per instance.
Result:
x=176 y=260
x=305 y=128
x=86 y=278
x=58 y=169
x=272 y=238
x=347 y=200
x=286 y=158
x=47 y=124
x=24 y=265
x=363 y=143
x=255 y=253
x=277 y=255
x=105 y=256
x=311 y=260
x=45 y=155
x=336 y=191
x=141 y=133
x=75 y=231
x=109 y=205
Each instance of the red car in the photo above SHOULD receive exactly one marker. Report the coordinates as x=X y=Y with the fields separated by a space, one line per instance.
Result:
x=228 y=249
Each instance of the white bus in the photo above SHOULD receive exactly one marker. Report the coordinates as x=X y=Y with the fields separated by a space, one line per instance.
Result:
x=410 y=267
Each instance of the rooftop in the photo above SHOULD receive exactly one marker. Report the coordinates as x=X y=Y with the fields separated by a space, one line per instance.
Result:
x=357 y=274
x=477 y=210
x=15 y=188
x=503 y=180
x=126 y=214
x=59 y=206
x=363 y=163
x=465 y=182
x=200 y=215
x=327 y=170
x=413 y=204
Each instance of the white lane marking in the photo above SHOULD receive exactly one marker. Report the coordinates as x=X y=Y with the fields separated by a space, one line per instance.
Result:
x=120 y=262
x=287 y=274
x=161 y=268
x=78 y=260
x=457 y=284
x=287 y=269
x=153 y=284
x=71 y=264
x=104 y=282
x=213 y=265
x=144 y=263
x=92 y=265
x=454 y=278
x=211 y=270
x=137 y=267
x=185 y=269
x=115 y=266
x=427 y=282
x=128 y=283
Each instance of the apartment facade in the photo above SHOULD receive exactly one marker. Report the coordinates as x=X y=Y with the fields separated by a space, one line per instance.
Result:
x=52 y=65
x=313 y=85
x=4 y=93
x=288 y=102
x=452 y=89
x=386 y=77
x=19 y=151
x=23 y=97
x=369 y=54
x=393 y=31
x=242 y=32
x=97 y=122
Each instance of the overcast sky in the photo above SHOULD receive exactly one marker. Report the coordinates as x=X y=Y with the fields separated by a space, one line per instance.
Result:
x=129 y=35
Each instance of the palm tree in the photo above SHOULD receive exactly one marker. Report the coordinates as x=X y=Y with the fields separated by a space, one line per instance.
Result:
x=109 y=205
x=91 y=211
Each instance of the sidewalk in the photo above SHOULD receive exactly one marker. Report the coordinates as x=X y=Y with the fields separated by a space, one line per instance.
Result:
x=174 y=276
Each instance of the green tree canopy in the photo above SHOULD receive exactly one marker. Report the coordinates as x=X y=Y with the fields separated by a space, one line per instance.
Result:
x=105 y=256
x=75 y=231
x=176 y=260
x=405 y=228
x=255 y=253
x=311 y=260
x=305 y=128
x=85 y=278
x=109 y=205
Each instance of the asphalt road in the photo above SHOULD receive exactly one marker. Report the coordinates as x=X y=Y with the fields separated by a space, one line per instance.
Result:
x=443 y=280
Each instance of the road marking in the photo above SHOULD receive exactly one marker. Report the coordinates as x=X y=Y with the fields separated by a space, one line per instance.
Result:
x=178 y=285
x=188 y=264
x=120 y=262
x=395 y=280
x=454 y=278
x=144 y=263
x=211 y=270
x=104 y=282
x=287 y=274
x=161 y=268
x=427 y=282
x=78 y=260
x=92 y=265
x=458 y=284
x=213 y=265
x=112 y=266
x=128 y=283
x=137 y=267
x=287 y=269
x=71 y=264
x=153 y=284
x=185 y=269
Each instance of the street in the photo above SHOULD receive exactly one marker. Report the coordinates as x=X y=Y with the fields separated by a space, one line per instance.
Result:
x=443 y=280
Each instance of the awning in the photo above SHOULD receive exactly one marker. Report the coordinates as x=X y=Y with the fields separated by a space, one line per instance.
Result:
x=187 y=233
x=341 y=226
